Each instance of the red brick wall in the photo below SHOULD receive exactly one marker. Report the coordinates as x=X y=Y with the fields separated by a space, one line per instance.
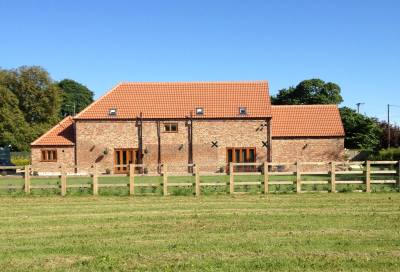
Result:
x=235 y=133
x=307 y=149
x=93 y=137
x=65 y=157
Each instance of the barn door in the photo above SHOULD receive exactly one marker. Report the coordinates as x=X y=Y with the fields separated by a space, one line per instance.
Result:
x=240 y=155
x=122 y=158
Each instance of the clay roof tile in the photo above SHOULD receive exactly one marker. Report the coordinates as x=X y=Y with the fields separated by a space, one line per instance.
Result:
x=306 y=121
x=161 y=100
x=61 y=134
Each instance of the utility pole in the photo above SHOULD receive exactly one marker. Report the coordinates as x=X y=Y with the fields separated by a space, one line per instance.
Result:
x=388 y=121
x=388 y=124
x=358 y=106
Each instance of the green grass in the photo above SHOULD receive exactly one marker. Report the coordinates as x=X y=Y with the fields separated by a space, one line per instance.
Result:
x=308 y=232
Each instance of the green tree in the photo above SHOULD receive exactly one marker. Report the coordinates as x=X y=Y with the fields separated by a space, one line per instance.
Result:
x=76 y=97
x=14 y=130
x=30 y=105
x=39 y=97
x=361 y=131
x=312 y=91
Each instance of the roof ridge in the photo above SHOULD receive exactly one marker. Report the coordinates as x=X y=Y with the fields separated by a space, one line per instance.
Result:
x=193 y=82
x=52 y=129
x=307 y=105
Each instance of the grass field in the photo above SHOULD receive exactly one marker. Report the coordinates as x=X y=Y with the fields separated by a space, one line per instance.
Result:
x=314 y=232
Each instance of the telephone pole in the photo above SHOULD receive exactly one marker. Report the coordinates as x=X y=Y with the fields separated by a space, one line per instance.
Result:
x=358 y=106
x=388 y=121
x=388 y=124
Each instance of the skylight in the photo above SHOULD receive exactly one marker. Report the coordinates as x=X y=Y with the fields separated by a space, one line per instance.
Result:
x=199 y=111
x=242 y=110
x=112 y=112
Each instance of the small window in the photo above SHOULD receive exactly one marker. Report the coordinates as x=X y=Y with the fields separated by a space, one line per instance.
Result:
x=112 y=112
x=171 y=127
x=49 y=155
x=242 y=111
x=199 y=111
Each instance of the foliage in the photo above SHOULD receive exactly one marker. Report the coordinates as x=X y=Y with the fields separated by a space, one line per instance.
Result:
x=30 y=104
x=14 y=130
x=308 y=232
x=312 y=91
x=394 y=135
x=361 y=131
x=20 y=161
x=391 y=154
x=74 y=95
x=39 y=97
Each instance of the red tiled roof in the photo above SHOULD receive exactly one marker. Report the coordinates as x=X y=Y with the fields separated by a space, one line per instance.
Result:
x=61 y=134
x=178 y=100
x=306 y=121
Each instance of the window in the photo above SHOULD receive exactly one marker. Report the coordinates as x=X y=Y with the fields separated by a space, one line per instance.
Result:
x=199 y=111
x=171 y=127
x=242 y=110
x=112 y=112
x=49 y=155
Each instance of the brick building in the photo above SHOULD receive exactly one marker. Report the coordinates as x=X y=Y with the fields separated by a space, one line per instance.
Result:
x=207 y=123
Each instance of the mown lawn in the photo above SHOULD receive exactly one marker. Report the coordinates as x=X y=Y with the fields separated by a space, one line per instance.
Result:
x=314 y=232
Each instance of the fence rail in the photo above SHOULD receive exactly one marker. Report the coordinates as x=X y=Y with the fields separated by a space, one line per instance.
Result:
x=337 y=173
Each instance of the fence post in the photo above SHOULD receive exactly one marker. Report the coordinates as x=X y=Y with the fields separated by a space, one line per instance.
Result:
x=333 y=177
x=368 y=177
x=398 y=175
x=165 y=180
x=298 y=177
x=63 y=181
x=27 y=180
x=197 y=179
x=95 y=181
x=231 y=179
x=266 y=178
x=131 y=179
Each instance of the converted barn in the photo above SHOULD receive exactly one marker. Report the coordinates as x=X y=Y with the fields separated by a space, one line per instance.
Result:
x=205 y=123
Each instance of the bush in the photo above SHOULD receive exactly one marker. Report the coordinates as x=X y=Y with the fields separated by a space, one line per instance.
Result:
x=20 y=161
x=391 y=154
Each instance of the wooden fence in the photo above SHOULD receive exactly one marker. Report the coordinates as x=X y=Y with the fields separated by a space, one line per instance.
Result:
x=364 y=172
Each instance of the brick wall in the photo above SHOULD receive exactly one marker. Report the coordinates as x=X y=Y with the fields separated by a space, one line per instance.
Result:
x=235 y=133
x=93 y=137
x=65 y=157
x=307 y=149
x=96 y=141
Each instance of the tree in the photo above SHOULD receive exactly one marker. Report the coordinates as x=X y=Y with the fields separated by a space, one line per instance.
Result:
x=76 y=97
x=362 y=132
x=394 y=135
x=312 y=91
x=30 y=105
x=39 y=97
x=14 y=130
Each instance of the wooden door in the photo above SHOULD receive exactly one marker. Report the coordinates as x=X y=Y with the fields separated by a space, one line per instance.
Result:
x=122 y=158
x=241 y=155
